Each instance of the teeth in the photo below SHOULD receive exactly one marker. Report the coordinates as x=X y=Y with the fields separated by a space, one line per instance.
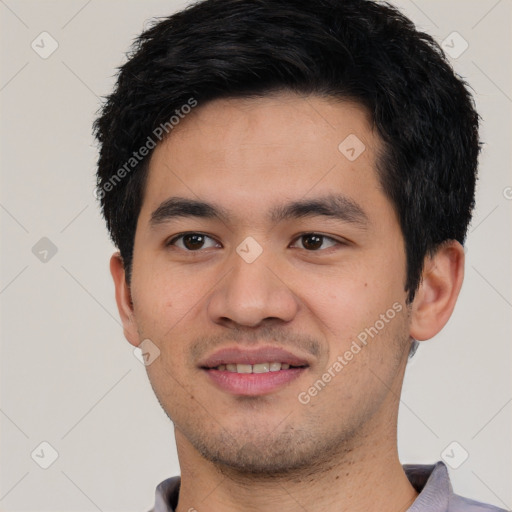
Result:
x=261 y=368
x=244 y=368
x=253 y=368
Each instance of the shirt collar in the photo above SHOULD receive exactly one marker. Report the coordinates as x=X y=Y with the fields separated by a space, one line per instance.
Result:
x=432 y=482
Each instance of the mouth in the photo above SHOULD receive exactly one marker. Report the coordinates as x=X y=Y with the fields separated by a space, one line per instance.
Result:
x=253 y=368
x=253 y=372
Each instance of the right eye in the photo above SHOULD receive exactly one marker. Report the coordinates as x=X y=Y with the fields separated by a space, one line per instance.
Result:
x=191 y=241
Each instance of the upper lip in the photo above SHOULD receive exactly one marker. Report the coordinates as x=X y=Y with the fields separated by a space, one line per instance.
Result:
x=235 y=355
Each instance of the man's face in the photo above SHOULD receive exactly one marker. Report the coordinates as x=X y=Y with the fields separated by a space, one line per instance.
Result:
x=251 y=288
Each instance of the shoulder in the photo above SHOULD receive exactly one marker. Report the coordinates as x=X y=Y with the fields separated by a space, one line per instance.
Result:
x=432 y=482
x=460 y=504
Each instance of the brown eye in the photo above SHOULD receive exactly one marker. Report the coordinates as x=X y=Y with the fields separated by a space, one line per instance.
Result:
x=191 y=241
x=314 y=241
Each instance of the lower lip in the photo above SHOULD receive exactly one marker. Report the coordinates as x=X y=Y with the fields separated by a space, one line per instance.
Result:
x=252 y=384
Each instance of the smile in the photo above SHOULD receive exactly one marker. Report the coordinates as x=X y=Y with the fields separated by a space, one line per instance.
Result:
x=243 y=371
x=253 y=368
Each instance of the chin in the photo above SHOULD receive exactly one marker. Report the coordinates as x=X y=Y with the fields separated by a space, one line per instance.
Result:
x=264 y=455
x=251 y=460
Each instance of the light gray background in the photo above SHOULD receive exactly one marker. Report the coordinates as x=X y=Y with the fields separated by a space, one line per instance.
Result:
x=68 y=377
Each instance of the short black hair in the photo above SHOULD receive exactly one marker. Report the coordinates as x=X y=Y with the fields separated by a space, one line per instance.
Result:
x=357 y=50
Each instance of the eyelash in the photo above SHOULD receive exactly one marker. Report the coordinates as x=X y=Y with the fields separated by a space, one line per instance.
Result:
x=324 y=237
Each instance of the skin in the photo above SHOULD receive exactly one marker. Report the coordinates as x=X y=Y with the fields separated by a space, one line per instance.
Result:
x=338 y=451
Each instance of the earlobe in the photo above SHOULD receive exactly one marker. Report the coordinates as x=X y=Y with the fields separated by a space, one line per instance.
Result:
x=124 y=299
x=439 y=289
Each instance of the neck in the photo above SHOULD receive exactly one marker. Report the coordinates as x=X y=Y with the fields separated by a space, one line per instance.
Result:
x=366 y=476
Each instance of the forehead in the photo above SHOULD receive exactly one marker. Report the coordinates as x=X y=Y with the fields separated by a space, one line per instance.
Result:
x=279 y=119
x=241 y=152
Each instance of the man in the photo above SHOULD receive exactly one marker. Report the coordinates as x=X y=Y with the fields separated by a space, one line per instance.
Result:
x=289 y=184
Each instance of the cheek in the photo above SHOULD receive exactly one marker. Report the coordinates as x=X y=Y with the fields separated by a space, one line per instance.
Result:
x=163 y=295
x=363 y=305
x=169 y=308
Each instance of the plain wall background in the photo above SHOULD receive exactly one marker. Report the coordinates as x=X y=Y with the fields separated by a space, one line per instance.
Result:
x=68 y=377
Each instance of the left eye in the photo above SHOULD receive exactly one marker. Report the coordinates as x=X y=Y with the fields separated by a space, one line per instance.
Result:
x=314 y=241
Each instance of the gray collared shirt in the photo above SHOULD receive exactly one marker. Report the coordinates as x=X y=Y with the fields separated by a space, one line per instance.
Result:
x=431 y=481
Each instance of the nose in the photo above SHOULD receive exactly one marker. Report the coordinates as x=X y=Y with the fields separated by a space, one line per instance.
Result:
x=251 y=293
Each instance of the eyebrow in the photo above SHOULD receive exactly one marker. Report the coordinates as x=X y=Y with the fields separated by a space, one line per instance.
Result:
x=333 y=206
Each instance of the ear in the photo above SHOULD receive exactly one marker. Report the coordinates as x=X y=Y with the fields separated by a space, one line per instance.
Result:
x=124 y=299
x=437 y=294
